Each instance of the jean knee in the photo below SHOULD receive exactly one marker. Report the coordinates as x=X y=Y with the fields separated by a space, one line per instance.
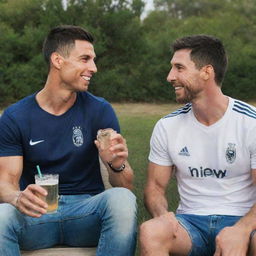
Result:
x=122 y=200
x=9 y=217
x=122 y=205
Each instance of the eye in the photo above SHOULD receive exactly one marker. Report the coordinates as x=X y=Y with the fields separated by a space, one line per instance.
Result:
x=179 y=67
x=85 y=58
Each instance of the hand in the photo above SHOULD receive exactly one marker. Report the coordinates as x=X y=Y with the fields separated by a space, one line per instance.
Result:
x=232 y=241
x=170 y=220
x=29 y=201
x=117 y=153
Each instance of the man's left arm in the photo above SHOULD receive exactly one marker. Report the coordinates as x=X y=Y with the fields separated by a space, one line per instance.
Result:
x=120 y=171
x=234 y=240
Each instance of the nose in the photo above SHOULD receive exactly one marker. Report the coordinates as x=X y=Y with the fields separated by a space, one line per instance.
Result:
x=93 y=67
x=171 y=76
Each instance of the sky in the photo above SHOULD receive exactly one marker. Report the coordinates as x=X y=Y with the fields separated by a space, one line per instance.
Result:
x=148 y=7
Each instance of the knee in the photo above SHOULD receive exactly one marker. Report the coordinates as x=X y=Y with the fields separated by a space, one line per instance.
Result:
x=157 y=231
x=8 y=216
x=122 y=201
x=149 y=232
x=122 y=209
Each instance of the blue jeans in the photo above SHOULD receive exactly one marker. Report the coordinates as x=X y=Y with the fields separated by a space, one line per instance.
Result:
x=203 y=230
x=106 y=220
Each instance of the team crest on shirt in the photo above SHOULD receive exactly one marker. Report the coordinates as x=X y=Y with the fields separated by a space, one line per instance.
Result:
x=78 y=138
x=231 y=153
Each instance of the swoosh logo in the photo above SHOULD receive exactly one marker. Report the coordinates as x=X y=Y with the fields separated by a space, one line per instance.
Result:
x=32 y=143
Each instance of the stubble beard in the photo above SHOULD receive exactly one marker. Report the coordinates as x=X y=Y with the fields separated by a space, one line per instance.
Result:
x=189 y=95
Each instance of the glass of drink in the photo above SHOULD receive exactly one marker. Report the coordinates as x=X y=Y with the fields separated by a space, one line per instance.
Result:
x=104 y=137
x=50 y=182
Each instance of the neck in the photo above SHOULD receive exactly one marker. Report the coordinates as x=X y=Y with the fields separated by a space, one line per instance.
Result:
x=55 y=100
x=211 y=107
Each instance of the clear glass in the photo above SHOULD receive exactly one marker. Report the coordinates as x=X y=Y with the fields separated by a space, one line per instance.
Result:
x=50 y=182
x=104 y=137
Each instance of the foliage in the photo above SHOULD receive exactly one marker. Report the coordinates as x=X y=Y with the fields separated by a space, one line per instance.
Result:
x=133 y=55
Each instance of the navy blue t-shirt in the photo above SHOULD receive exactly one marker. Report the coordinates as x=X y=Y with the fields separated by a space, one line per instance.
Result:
x=58 y=144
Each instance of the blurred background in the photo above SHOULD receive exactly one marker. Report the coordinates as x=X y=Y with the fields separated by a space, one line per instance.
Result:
x=132 y=43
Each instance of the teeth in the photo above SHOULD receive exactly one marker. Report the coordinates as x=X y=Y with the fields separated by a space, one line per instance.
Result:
x=86 y=78
x=178 y=87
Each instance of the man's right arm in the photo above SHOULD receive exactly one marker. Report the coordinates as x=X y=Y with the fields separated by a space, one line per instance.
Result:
x=154 y=194
x=25 y=201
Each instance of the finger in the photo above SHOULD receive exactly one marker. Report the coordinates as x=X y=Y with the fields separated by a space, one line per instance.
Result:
x=33 y=202
x=35 y=189
x=217 y=251
x=117 y=137
x=118 y=147
x=97 y=145
x=31 y=209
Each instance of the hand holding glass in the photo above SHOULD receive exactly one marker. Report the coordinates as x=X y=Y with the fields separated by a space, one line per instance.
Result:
x=50 y=182
x=104 y=137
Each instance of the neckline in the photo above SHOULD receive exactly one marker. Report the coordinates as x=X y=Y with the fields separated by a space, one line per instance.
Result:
x=52 y=115
x=217 y=123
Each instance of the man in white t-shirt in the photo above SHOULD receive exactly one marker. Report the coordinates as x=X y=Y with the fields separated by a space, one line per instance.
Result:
x=210 y=146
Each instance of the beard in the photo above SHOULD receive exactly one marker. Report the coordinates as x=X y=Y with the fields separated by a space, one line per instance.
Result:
x=188 y=94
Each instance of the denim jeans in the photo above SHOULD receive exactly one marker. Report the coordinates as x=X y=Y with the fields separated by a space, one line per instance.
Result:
x=203 y=230
x=106 y=220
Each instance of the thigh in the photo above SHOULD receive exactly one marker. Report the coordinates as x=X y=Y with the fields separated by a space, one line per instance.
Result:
x=191 y=226
x=38 y=233
x=27 y=232
x=164 y=234
x=83 y=215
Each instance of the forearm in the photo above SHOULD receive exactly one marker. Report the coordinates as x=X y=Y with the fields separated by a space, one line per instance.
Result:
x=123 y=178
x=155 y=202
x=249 y=220
x=9 y=193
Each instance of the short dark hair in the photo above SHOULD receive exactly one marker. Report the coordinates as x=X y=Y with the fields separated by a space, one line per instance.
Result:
x=205 y=50
x=62 y=39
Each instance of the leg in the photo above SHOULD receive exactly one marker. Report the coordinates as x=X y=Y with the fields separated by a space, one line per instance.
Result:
x=164 y=235
x=252 y=246
x=10 y=224
x=18 y=230
x=108 y=219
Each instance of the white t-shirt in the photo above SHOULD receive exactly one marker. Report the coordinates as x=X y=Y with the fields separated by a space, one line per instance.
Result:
x=213 y=162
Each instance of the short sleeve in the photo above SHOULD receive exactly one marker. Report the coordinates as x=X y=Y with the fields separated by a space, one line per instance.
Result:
x=158 y=146
x=10 y=138
x=252 y=149
x=107 y=118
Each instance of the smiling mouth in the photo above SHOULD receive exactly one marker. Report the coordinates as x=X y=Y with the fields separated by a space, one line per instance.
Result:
x=86 y=78
x=178 y=88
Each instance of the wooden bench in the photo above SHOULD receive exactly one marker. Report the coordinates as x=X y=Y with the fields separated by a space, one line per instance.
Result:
x=70 y=251
x=61 y=251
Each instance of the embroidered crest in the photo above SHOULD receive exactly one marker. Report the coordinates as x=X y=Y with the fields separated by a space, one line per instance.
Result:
x=231 y=153
x=77 y=137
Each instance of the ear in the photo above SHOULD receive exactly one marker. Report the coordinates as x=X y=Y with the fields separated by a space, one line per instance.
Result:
x=206 y=72
x=56 y=60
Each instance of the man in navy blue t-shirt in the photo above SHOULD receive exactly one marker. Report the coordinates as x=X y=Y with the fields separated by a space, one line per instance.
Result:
x=56 y=129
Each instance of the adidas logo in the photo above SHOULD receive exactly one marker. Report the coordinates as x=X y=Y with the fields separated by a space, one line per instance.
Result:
x=184 y=152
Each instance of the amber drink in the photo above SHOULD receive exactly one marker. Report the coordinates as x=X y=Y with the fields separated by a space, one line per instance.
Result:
x=50 y=182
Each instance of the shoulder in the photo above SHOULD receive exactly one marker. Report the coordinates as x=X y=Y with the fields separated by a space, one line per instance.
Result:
x=174 y=119
x=179 y=115
x=92 y=100
x=244 y=109
x=18 y=109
